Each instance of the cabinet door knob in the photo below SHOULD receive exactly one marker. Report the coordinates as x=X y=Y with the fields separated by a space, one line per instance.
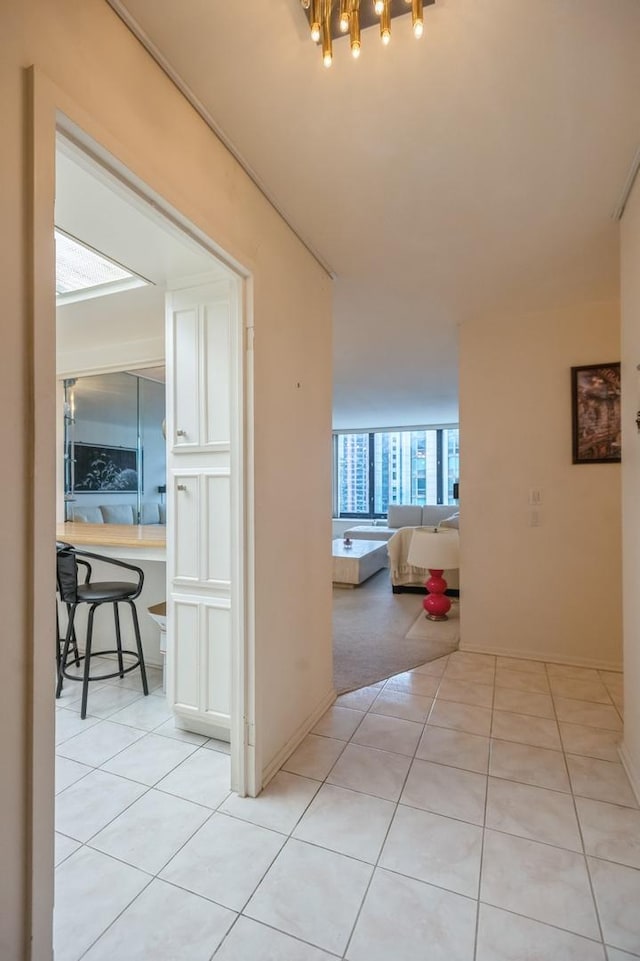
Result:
x=181 y=433
x=181 y=487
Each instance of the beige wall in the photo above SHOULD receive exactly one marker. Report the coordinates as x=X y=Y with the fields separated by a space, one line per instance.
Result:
x=110 y=87
x=14 y=543
x=630 y=298
x=551 y=591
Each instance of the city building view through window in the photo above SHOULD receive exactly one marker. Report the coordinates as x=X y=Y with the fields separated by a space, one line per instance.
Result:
x=378 y=468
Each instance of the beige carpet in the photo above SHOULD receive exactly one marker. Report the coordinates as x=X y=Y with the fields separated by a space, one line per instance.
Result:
x=377 y=633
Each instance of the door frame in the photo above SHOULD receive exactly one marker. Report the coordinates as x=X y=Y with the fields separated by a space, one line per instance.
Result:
x=51 y=110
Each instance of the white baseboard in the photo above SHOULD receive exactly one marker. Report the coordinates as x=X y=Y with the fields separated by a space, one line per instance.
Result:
x=301 y=732
x=633 y=772
x=543 y=656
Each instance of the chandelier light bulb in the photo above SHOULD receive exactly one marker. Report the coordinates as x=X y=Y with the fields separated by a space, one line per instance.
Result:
x=315 y=32
x=327 y=59
x=418 y=29
x=355 y=53
x=305 y=4
x=378 y=7
x=385 y=36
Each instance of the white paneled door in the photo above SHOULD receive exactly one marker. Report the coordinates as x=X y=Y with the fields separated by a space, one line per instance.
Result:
x=205 y=498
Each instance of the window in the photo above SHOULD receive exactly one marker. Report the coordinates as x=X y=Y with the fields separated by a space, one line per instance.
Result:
x=378 y=468
x=353 y=472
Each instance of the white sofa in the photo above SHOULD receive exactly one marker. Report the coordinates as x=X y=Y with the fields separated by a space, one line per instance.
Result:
x=401 y=515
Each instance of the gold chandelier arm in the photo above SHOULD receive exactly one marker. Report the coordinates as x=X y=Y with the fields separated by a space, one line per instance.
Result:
x=385 y=23
x=315 y=20
x=327 y=49
x=345 y=13
x=354 y=28
x=417 y=18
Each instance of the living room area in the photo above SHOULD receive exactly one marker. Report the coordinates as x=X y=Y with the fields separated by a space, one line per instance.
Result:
x=386 y=484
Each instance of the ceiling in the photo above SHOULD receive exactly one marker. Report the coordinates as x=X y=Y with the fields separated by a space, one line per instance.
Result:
x=97 y=209
x=471 y=173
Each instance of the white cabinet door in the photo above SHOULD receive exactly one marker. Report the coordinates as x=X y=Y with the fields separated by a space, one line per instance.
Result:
x=204 y=359
x=201 y=342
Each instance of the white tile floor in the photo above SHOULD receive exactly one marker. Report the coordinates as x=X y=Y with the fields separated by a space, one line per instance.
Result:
x=471 y=810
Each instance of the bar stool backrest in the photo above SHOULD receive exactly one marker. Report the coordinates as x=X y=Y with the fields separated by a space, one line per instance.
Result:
x=67 y=574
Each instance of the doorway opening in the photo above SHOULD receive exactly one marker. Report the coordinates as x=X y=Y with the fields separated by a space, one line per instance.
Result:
x=151 y=387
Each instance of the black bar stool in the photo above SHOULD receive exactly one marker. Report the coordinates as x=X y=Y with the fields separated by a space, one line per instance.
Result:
x=96 y=593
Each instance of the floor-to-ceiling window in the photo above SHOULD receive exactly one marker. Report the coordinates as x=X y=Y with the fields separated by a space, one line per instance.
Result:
x=376 y=468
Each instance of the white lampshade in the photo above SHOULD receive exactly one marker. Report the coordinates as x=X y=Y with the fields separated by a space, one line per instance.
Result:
x=436 y=550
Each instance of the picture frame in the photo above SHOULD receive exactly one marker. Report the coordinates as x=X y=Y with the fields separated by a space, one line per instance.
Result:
x=595 y=408
x=102 y=469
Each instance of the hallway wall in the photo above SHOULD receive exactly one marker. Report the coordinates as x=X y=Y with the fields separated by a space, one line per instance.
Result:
x=94 y=70
x=551 y=591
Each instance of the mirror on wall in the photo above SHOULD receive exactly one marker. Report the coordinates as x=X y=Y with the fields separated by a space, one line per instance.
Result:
x=114 y=447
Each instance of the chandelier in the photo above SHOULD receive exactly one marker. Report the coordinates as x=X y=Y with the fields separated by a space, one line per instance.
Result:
x=331 y=19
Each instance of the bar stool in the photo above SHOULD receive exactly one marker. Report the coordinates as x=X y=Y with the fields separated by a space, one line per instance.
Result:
x=96 y=593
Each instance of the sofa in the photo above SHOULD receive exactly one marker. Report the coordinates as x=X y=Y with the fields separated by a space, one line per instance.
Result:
x=152 y=513
x=401 y=515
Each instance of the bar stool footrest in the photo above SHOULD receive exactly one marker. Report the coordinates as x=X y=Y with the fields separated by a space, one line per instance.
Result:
x=104 y=677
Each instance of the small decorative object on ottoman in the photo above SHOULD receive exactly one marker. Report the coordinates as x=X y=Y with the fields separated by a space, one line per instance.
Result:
x=348 y=542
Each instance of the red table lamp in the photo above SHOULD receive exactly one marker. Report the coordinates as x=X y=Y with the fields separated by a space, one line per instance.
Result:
x=435 y=550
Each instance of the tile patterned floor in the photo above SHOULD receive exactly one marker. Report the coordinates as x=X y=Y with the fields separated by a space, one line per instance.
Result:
x=473 y=809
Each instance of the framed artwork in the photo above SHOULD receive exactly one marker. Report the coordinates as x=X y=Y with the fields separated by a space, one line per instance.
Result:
x=100 y=469
x=595 y=404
